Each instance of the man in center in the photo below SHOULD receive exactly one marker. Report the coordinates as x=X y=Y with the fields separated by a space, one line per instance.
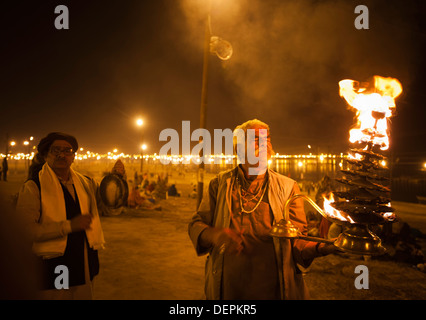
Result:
x=233 y=222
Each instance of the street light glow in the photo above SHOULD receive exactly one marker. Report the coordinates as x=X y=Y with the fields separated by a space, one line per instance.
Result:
x=139 y=122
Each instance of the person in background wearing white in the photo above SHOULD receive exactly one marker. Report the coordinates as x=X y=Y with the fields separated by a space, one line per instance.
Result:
x=60 y=208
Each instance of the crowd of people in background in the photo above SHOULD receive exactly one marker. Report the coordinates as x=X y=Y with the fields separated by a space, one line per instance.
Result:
x=146 y=190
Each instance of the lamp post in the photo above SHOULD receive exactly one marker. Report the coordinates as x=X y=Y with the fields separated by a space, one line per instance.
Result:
x=207 y=36
x=12 y=144
x=223 y=50
x=139 y=123
x=143 y=147
x=27 y=161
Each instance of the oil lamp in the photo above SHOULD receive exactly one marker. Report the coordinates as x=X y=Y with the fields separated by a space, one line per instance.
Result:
x=356 y=237
x=366 y=200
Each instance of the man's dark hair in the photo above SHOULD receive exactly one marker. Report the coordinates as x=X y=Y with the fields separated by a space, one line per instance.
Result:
x=45 y=143
x=44 y=147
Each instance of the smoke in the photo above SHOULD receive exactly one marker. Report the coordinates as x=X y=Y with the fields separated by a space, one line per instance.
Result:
x=290 y=55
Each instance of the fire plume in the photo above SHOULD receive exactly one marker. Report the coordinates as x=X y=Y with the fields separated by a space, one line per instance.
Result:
x=375 y=103
x=366 y=198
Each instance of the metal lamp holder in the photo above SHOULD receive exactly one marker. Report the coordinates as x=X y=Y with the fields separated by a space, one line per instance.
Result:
x=356 y=238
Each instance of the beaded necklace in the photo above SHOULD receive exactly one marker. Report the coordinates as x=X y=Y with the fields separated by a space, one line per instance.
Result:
x=262 y=191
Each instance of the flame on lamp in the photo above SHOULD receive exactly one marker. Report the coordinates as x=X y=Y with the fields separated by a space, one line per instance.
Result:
x=374 y=103
x=374 y=107
x=332 y=212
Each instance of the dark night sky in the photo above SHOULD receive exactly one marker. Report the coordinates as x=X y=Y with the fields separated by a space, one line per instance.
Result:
x=124 y=59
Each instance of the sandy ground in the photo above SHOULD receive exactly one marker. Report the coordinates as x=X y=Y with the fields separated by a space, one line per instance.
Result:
x=149 y=256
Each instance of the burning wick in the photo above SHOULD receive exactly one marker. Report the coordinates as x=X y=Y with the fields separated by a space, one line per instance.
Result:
x=332 y=212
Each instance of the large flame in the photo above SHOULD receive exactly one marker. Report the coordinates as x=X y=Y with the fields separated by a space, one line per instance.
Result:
x=374 y=104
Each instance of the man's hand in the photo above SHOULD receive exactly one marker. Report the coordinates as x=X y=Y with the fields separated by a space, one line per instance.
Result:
x=81 y=222
x=326 y=249
x=225 y=239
